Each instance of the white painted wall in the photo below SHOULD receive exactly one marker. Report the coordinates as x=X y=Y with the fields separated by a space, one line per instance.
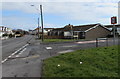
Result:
x=67 y=34
x=1 y=33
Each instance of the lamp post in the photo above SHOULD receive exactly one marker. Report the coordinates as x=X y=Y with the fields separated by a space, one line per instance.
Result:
x=41 y=23
x=38 y=22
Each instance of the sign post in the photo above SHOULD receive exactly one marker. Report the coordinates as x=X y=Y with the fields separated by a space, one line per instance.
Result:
x=114 y=21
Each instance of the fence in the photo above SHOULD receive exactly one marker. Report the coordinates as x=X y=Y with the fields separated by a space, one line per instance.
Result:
x=99 y=40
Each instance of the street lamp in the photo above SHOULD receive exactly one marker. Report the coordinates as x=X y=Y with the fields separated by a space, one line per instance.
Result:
x=41 y=23
x=38 y=21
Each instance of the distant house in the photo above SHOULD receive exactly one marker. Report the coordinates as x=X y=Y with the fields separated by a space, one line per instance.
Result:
x=90 y=31
x=1 y=31
x=48 y=29
x=45 y=30
x=117 y=28
x=9 y=31
x=32 y=32
x=5 y=30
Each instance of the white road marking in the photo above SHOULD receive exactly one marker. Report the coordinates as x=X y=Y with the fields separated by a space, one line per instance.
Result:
x=15 y=53
x=66 y=51
x=21 y=52
x=9 y=56
x=17 y=56
x=70 y=46
x=4 y=60
x=19 y=49
x=48 y=48
x=82 y=42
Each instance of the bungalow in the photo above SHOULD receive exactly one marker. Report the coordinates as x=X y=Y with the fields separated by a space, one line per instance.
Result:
x=32 y=32
x=90 y=31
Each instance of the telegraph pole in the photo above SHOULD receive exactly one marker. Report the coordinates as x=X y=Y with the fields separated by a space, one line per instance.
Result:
x=42 y=23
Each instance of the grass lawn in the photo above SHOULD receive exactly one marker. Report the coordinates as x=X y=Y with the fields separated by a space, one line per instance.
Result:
x=96 y=62
x=60 y=40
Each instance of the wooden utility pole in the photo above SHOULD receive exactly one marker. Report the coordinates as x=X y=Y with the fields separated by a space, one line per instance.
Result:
x=42 y=23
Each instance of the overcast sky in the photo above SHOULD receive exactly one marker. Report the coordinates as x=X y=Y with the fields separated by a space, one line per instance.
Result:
x=20 y=15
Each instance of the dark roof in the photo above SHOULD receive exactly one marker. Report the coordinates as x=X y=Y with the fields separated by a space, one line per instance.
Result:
x=78 y=28
x=75 y=28
x=110 y=26
x=48 y=28
x=44 y=28
x=83 y=27
x=58 y=29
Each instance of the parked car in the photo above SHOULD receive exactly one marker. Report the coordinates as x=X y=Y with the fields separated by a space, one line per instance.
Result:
x=18 y=34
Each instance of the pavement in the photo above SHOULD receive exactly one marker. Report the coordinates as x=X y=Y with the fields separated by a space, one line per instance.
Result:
x=28 y=61
x=3 y=38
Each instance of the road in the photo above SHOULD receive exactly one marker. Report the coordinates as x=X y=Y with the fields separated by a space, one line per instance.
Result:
x=23 y=63
x=11 y=45
x=28 y=62
x=58 y=48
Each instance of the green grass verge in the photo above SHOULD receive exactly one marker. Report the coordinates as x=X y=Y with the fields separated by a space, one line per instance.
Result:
x=60 y=40
x=97 y=62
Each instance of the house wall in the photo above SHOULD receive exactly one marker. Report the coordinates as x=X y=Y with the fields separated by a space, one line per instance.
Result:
x=96 y=33
x=81 y=35
x=68 y=33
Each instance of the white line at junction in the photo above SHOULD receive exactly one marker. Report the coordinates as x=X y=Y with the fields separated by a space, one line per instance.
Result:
x=23 y=47
x=21 y=52
x=48 y=48
x=83 y=42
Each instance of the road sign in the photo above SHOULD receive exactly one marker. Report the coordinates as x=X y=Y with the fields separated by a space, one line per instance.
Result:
x=113 y=20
